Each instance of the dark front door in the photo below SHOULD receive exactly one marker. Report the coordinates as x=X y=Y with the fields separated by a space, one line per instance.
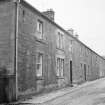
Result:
x=85 y=72
x=2 y=90
x=71 y=72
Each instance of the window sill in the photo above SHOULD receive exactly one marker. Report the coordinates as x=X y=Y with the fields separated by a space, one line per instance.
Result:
x=60 y=48
x=40 y=78
x=59 y=77
x=42 y=40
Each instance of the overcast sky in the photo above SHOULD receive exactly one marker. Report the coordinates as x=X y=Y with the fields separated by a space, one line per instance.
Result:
x=86 y=17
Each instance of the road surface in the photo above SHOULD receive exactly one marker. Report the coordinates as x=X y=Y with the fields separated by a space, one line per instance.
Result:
x=90 y=93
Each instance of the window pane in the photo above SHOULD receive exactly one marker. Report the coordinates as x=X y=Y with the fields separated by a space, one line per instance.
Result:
x=40 y=28
x=61 y=41
x=62 y=66
x=58 y=40
x=58 y=66
x=39 y=65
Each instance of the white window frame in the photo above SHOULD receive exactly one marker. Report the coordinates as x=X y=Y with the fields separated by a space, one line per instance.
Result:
x=40 y=29
x=60 y=67
x=70 y=46
x=39 y=65
x=60 y=40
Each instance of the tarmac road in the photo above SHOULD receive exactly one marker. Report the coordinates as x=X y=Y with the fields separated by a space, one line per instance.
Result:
x=89 y=94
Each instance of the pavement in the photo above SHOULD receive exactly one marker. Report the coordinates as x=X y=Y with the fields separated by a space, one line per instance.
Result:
x=47 y=96
x=89 y=93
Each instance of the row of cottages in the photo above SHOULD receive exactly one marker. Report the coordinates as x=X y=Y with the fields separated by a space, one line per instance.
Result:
x=36 y=54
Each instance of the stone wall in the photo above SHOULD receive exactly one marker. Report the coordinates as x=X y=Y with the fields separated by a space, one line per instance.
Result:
x=28 y=47
x=7 y=35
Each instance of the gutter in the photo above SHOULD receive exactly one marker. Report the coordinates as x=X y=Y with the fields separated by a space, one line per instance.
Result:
x=16 y=47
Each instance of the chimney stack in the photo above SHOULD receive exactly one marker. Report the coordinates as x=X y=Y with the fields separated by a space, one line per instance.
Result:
x=71 y=31
x=76 y=36
x=49 y=13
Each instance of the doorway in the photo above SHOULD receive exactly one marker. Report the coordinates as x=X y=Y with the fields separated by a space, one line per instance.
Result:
x=85 y=72
x=71 y=79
